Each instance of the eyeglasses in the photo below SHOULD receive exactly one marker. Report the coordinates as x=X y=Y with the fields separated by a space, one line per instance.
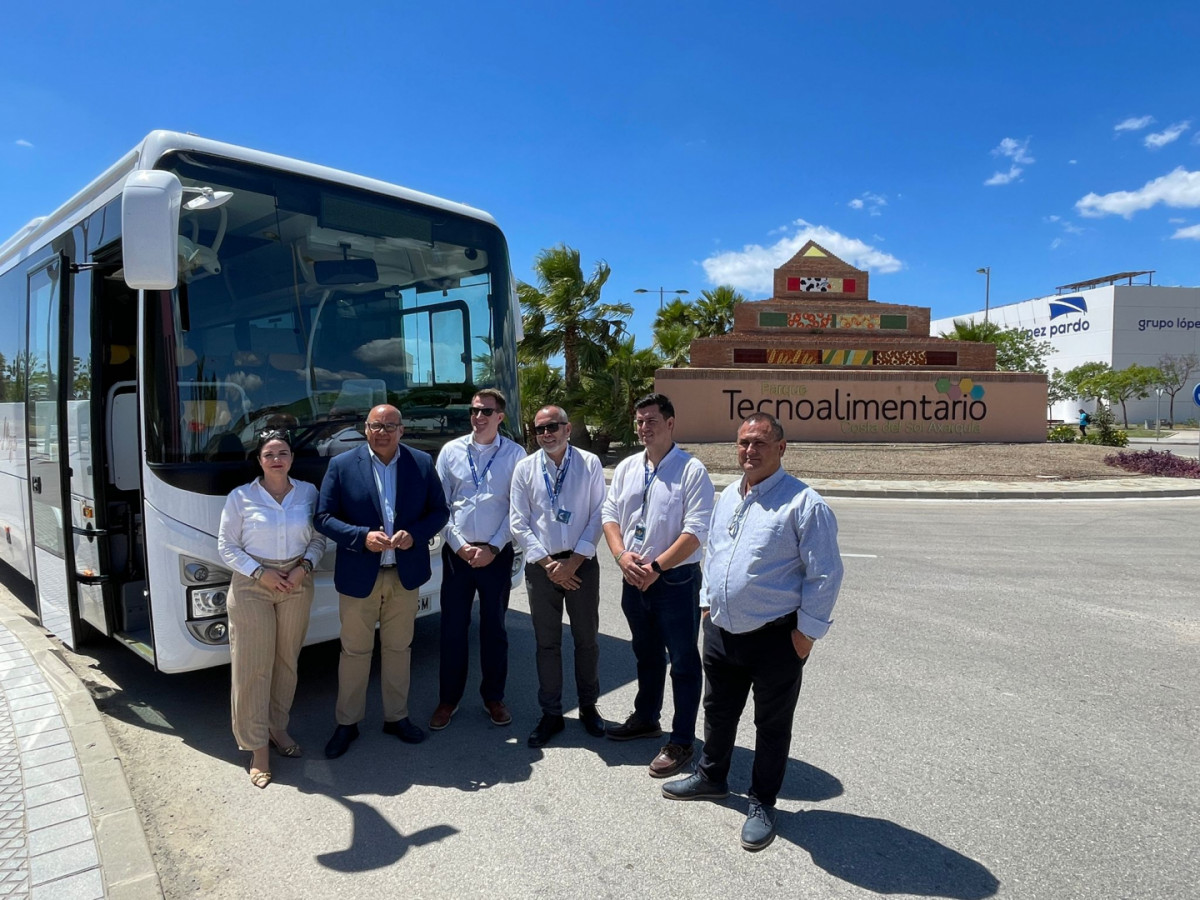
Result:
x=548 y=428
x=275 y=434
x=282 y=454
x=389 y=427
x=485 y=411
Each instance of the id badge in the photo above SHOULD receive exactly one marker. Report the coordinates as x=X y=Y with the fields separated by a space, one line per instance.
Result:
x=563 y=515
x=639 y=533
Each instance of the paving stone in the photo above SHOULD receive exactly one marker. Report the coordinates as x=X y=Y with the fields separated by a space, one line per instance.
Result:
x=24 y=729
x=40 y=739
x=55 y=771
x=84 y=886
x=44 y=699
x=58 y=811
x=54 y=791
x=60 y=863
x=56 y=837
x=29 y=690
x=45 y=755
x=34 y=713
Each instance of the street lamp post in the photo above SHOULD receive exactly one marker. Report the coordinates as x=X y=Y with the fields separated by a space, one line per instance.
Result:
x=1158 y=414
x=661 y=291
x=987 y=290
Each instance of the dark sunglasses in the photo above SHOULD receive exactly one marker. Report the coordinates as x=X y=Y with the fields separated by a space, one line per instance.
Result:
x=275 y=434
x=549 y=427
x=485 y=411
x=389 y=427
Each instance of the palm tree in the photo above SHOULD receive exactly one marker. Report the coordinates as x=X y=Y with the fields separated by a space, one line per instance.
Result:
x=674 y=342
x=970 y=330
x=610 y=392
x=564 y=314
x=541 y=384
x=714 y=310
x=677 y=312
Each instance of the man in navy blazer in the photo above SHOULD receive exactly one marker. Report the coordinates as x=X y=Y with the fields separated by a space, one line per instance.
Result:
x=381 y=504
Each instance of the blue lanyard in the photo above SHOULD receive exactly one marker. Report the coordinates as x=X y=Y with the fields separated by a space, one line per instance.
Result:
x=475 y=476
x=558 y=481
x=649 y=476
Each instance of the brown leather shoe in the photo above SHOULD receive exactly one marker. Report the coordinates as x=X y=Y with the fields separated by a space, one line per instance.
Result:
x=670 y=760
x=498 y=712
x=441 y=716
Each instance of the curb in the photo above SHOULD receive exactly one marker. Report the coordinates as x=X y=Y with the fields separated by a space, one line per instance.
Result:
x=125 y=862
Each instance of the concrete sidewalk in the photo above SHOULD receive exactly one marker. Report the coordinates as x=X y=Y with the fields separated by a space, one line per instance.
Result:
x=68 y=827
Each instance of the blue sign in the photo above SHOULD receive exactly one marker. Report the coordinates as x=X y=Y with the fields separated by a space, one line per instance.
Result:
x=1196 y=395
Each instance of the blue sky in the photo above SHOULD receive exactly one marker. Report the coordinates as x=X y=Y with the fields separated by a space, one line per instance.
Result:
x=687 y=145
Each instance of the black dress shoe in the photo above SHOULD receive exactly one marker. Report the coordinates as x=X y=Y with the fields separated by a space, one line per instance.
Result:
x=592 y=721
x=547 y=728
x=405 y=729
x=340 y=742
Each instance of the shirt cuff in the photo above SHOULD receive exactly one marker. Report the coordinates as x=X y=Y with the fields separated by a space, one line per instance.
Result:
x=814 y=628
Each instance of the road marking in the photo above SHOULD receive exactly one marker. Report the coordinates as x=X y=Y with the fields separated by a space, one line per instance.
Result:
x=859 y=556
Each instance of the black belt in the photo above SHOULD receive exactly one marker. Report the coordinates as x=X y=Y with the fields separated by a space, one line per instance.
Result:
x=387 y=565
x=566 y=554
x=789 y=620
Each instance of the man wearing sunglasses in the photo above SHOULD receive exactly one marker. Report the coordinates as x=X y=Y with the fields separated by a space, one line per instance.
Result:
x=381 y=504
x=557 y=493
x=656 y=521
x=477 y=557
x=772 y=572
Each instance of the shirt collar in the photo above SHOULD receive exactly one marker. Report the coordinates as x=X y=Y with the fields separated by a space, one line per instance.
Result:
x=766 y=484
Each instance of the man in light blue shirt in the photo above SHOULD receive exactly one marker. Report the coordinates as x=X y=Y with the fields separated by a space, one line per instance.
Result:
x=772 y=572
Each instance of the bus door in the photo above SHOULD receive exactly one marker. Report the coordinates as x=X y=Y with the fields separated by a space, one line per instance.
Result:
x=48 y=448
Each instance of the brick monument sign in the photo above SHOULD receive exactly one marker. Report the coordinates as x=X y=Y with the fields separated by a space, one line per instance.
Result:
x=834 y=365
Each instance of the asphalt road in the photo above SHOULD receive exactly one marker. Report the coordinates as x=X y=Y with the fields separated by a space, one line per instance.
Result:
x=1006 y=706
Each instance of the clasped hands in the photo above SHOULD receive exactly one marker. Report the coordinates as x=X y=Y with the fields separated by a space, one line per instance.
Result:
x=636 y=570
x=476 y=557
x=283 y=582
x=378 y=541
x=562 y=572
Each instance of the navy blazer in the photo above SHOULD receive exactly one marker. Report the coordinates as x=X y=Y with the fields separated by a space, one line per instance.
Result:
x=349 y=508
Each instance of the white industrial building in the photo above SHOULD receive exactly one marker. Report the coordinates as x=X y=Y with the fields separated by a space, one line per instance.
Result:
x=1120 y=324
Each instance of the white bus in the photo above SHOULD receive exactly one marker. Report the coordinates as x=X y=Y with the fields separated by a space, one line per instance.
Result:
x=193 y=295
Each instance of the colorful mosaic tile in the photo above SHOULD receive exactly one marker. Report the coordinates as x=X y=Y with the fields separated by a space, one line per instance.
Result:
x=810 y=320
x=899 y=357
x=794 y=357
x=847 y=357
x=860 y=321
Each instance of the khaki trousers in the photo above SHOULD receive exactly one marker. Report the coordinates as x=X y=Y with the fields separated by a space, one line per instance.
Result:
x=394 y=608
x=266 y=631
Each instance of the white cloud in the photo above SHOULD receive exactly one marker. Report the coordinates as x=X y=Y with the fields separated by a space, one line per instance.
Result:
x=21 y=142
x=1017 y=151
x=1004 y=177
x=870 y=201
x=1168 y=135
x=1069 y=228
x=1179 y=189
x=1052 y=218
x=752 y=268
x=1134 y=123
x=1056 y=243
x=1071 y=162
x=1176 y=220
x=1191 y=233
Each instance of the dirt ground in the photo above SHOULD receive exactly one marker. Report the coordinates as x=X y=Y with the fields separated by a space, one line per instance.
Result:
x=990 y=462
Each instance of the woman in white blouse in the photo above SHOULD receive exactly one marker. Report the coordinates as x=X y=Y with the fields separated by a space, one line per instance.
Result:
x=267 y=538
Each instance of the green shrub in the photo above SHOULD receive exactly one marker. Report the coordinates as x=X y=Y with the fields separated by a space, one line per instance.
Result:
x=1106 y=432
x=1062 y=434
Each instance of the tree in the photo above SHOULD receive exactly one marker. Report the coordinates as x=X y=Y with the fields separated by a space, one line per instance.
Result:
x=674 y=343
x=677 y=312
x=1018 y=350
x=970 y=330
x=541 y=384
x=1176 y=371
x=1082 y=380
x=564 y=314
x=1129 y=383
x=610 y=392
x=714 y=310
x=1057 y=390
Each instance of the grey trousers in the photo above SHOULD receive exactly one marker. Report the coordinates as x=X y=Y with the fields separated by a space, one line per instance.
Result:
x=546 y=602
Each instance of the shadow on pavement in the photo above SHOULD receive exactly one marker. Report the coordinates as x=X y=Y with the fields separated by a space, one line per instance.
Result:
x=884 y=857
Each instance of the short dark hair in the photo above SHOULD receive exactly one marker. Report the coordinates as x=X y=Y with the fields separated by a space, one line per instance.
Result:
x=662 y=401
x=759 y=418
x=271 y=434
x=494 y=394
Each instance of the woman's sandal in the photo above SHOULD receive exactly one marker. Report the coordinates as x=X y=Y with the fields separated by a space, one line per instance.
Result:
x=293 y=752
x=260 y=779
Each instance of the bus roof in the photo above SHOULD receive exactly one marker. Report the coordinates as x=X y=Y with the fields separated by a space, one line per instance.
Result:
x=156 y=145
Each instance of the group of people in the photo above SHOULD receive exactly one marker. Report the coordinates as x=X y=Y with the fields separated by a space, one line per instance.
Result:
x=757 y=571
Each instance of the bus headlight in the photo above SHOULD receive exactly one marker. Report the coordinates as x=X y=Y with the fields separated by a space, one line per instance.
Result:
x=207 y=602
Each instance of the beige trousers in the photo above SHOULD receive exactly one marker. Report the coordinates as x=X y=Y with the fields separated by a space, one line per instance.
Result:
x=266 y=631
x=394 y=608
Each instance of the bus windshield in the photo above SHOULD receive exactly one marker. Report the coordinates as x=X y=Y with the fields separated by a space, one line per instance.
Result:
x=303 y=303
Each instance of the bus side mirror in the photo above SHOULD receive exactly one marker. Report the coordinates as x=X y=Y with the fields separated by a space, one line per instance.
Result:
x=150 y=205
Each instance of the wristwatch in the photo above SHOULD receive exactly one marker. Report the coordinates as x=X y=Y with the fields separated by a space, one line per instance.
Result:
x=495 y=550
x=656 y=567
x=307 y=566
x=258 y=573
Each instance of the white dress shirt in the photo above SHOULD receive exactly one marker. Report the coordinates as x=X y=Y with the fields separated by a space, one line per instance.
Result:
x=385 y=484
x=253 y=525
x=662 y=502
x=478 y=495
x=536 y=519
